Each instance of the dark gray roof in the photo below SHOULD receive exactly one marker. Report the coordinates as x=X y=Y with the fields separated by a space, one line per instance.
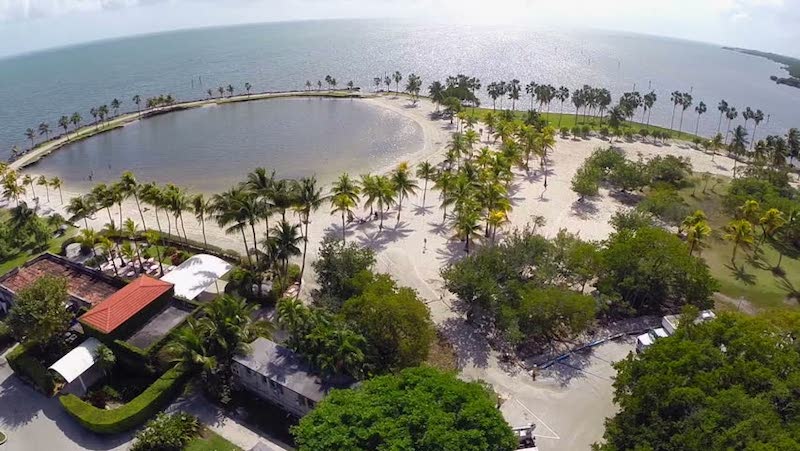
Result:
x=290 y=370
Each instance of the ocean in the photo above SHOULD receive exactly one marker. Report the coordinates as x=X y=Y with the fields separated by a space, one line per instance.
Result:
x=282 y=56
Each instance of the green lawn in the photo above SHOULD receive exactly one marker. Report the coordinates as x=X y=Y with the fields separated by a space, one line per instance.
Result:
x=25 y=255
x=752 y=276
x=569 y=120
x=210 y=441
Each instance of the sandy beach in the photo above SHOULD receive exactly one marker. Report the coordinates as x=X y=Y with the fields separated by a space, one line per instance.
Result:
x=414 y=248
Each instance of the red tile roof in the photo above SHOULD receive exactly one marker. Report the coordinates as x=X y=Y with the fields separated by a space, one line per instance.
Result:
x=86 y=285
x=125 y=303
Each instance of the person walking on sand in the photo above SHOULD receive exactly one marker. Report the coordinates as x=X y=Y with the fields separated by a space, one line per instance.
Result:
x=424 y=245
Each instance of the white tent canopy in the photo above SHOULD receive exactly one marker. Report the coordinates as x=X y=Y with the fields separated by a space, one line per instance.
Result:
x=196 y=274
x=77 y=361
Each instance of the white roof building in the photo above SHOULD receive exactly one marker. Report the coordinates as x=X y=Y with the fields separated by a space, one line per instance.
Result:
x=194 y=276
x=75 y=365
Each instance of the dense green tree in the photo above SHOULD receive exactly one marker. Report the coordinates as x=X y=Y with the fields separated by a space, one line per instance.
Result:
x=420 y=408
x=39 y=315
x=394 y=321
x=650 y=270
x=336 y=267
x=730 y=383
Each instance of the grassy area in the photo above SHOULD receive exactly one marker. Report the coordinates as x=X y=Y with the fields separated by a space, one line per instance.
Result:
x=569 y=120
x=208 y=440
x=54 y=247
x=752 y=276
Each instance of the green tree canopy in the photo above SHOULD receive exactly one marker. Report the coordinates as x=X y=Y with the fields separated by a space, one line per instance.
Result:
x=420 y=408
x=394 y=321
x=39 y=315
x=731 y=383
x=336 y=266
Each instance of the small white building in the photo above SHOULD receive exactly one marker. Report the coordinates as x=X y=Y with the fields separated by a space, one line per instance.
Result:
x=78 y=368
x=198 y=277
x=282 y=377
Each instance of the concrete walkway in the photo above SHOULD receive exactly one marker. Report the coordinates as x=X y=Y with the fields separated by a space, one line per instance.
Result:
x=231 y=429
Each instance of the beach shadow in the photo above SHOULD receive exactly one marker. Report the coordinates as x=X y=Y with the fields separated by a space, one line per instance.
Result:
x=470 y=345
x=379 y=239
x=452 y=251
x=570 y=368
x=626 y=197
x=439 y=228
x=419 y=210
x=741 y=274
x=585 y=209
x=532 y=176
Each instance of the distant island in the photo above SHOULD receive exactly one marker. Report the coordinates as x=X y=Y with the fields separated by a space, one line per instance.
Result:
x=792 y=65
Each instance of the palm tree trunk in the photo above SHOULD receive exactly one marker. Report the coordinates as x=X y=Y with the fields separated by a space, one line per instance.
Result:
x=203 y=229
x=138 y=256
x=255 y=240
x=344 y=231
x=110 y=219
x=60 y=195
x=303 y=264
x=120 y=213
x=399 y=208
x=697 y=126
x=672 y=121
x=719 y=126
x=139 y=207
x=246 y=249
x=185 y=238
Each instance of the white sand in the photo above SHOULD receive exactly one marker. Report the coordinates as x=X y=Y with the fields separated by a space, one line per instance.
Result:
x=402 y=253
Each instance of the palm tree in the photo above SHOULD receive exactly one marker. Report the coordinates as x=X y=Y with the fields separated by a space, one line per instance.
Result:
x=738 y=145
x=131 y=230
x=427 y=172
x=686 y=102
x=700 y=109
x=445 y=181
x=344 y=197
x=11 y=187
x=229 y=213
x=562 y=95
x=75 y=120
x=108 y=248
x=210 y=93
x=188 y=348
x=677 y=98
x=230 y=90
x=31 y=135
x=404 y=185
x=102 y=112
x=94 y=112
x=384 y=195
x=28 y=180
x=201 y=207
x=771 y=222
x=262 y=183
x=42 y=181
x=730 y=115
x=247 y=87
x=530 y=89
x=398 y=77
x=723 y=109
x=228 y=326
x=89 y=238
x=283 y=245
x=177 y=202
x=740 y=233
x=309 y=200
x=757 y=117
x=308 y=85
x=81 y=207
x=153 y=239
x=696 y=234
x=63 y=122
x=793 y=142
x=44 y=130
x=56 y=183
x=115 y=104
x=221 y=91
x=130 y=187
x=513 y=93
x=467 y=225
x=545 y=141
x=137 y=99
x=496 y=219
x=283 y=195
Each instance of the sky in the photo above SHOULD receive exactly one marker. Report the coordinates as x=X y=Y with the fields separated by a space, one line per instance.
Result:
x=770 y=25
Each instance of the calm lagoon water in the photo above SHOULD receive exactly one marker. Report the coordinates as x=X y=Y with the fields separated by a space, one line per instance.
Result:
x=208 y=149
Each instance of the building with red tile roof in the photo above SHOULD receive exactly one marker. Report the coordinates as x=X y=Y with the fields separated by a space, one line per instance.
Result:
x=123 y=311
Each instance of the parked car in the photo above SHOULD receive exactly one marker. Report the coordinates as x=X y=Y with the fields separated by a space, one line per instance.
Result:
x=669 y=324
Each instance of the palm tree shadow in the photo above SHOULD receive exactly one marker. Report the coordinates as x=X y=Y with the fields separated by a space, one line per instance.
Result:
x=470 y=345
x=438 y=228
x=533 y=176
x=784 y=284
x=584 y=209
x=420 y=210
x=379 y=239
x=451 y=252
x=741 y=274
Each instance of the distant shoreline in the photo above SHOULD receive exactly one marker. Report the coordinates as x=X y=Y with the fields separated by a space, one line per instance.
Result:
x=46 y=147
x=790 y=64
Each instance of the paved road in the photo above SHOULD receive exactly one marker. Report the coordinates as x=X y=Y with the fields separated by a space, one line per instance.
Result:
x=36 y=423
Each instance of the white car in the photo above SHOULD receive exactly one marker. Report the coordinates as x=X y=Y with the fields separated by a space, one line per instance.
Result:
x=647 y=339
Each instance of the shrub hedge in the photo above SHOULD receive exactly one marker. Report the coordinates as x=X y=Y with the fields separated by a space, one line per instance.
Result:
x=31 y=370
x=132 y=414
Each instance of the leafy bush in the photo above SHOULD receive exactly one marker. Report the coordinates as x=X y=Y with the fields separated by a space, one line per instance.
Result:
x=576 y=131
x=605 y=132
x=132 y=414
x=586 y=131
x=294 y=273
x=167 y=433
x=666 y=204
x=31 y=369
x=6 y=337
x=336 y=266
x=100 y=397
x=564 y=132
x=669 y=169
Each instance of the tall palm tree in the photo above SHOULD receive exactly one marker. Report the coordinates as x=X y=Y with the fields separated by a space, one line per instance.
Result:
x=81 y=207
x=42 y=181
x=115 y=104
x=730 y=115
x=427 y=172
x=63 y=122
x=283 y=245
x=283 y=195
x=247 y=87
x=153 y=238
x=309 y=200
x=467 y=225
x=404 y=185
x=562 y=95
x=228 y=326
x=738 y=145
x=344 y=197
x=700 y=109
x=230 y=90
x=397 y=77
x=229 y=214
x=28 y=180
x=177 y=202
x=677 y=98
x=445 y=181
x=262 y=182
x=89 y=238
x=11 y=187
x=108 y=248
x=188 y=348
x=56 y=183
x=686 y=102
x=31 y=135
x=151 y=194
x=514 y=89
x=696 y=235
x=757 y=117
x=772 y=221
x=44 y=130
x=545 y=141
x=75 y=120
x=384 y=195
x=137 y=99
x=131 y=231
x=201 y=207
x=723 y=109
x=130 y=187
x=740 y=233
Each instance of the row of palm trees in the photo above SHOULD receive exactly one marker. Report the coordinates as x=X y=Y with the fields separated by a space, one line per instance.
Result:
x=15 y=186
